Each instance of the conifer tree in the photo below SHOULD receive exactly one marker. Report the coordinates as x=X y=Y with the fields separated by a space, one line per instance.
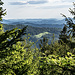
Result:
x=8 y=38
x=68 y=31
x=14 y=54
x=2 y=13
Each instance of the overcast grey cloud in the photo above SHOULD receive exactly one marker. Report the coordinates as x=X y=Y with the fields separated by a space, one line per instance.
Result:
x=38 y=2
x=17 y=3
x=30 y=8
x=28 y=2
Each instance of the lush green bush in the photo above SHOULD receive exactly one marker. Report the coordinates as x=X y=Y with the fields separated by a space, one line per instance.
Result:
x=56 y=65
x=18 y=57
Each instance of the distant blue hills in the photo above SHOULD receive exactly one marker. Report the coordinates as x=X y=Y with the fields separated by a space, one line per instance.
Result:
x=36 y=22
x=37 y=28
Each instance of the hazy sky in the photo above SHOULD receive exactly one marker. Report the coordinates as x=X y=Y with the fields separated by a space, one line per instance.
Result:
x=25 y=9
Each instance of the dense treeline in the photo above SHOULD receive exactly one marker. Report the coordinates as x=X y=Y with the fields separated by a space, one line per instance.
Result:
x=33 y=30
x=18 y=57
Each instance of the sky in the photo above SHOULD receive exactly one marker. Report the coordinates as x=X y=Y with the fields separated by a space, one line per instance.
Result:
x=36 y=9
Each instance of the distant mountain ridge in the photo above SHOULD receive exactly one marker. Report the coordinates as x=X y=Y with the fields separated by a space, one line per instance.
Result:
x=36 y=21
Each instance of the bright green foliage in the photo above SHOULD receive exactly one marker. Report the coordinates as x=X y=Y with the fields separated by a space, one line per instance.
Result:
x=13 y=56
x=56 y=48
x=19 y=57
x=16 y=55
x=62 y=65
x=56 y=65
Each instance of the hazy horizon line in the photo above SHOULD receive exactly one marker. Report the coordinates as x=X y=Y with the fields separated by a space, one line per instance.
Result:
x=31 y=18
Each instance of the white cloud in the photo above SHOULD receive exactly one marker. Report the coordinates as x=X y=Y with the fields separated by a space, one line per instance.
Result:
x=35 y=9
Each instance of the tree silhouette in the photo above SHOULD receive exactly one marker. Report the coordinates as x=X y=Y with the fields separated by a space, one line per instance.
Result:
x=69 y=29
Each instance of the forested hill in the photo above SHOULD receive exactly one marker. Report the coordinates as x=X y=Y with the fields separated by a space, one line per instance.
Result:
x=37 y=33
x=33 y=30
